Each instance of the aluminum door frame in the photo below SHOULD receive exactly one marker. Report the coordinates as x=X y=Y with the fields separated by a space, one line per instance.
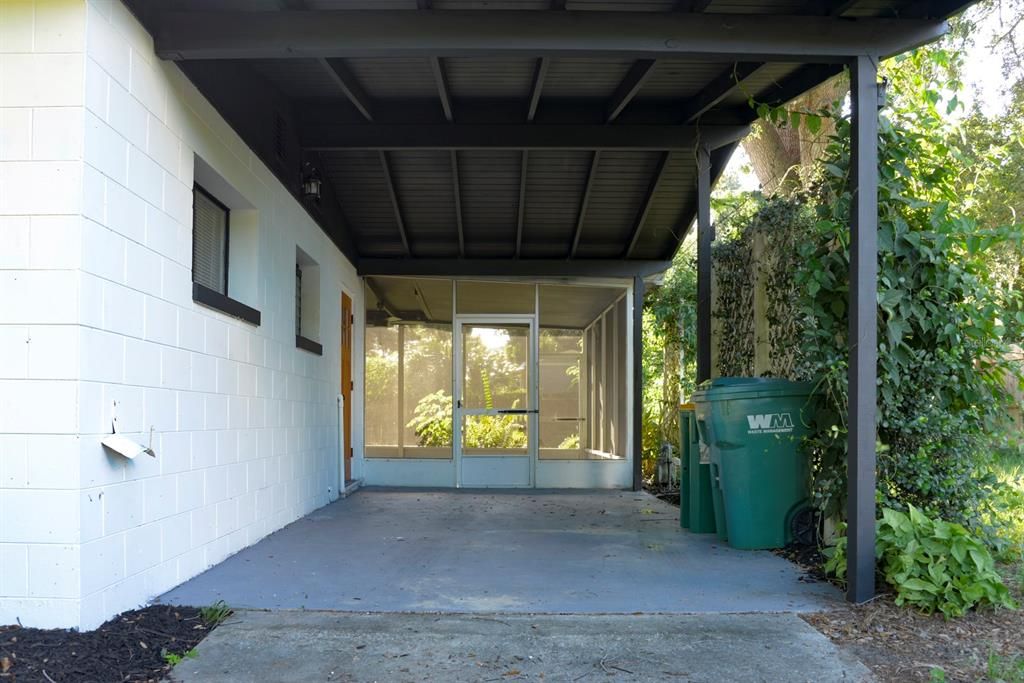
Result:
x=533 y=393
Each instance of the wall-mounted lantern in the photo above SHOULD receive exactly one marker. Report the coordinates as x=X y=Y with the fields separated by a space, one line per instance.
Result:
x=311 y=182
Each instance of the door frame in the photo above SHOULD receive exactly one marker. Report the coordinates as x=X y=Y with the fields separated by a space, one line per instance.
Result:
x=346 y=440
x=533 y=393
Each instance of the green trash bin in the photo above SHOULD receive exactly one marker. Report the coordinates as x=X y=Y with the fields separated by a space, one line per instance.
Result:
x=753 y=428
x=695 y=498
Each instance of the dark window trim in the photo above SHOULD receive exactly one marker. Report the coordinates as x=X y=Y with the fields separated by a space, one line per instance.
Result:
x=196 y=187
x=202 y=294
x=308 y=345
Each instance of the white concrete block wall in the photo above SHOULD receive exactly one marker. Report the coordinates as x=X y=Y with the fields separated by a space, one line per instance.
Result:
x=101 y=323
x=42 y=97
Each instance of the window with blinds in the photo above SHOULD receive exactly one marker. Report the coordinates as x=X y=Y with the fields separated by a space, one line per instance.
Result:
x=209 y=241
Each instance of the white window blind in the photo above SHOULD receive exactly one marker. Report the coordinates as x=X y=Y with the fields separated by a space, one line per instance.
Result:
x=209 y=242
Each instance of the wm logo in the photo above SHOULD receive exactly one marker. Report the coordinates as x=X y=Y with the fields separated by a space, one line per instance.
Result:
x=770 y=421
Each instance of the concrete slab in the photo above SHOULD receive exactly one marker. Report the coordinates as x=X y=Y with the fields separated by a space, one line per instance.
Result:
x=288 y=646
x=501 y=551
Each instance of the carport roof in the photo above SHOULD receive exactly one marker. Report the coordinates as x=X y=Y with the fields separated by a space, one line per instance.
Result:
x=533 y=137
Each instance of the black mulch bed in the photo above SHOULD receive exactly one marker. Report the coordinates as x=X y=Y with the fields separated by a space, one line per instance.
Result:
x=129 y=647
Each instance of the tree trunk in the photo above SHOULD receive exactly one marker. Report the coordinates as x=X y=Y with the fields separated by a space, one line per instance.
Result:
x=783 y=157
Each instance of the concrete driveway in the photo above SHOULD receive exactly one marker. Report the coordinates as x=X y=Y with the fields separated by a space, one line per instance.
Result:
x=556 y=552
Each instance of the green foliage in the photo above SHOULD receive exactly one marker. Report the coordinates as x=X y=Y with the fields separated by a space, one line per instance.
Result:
x=432 y=422
x=213 y=615
x=933 y=565
x=946 y=317
x=1006 y=669
x=175 y=659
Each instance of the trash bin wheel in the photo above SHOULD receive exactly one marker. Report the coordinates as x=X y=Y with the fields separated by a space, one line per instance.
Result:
x=804 y=526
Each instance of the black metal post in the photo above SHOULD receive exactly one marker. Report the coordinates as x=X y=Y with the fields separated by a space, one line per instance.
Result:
x=638 y=381
x=863 y=332
x=704 y=236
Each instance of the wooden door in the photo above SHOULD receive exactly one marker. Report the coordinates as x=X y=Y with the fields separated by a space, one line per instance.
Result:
x=346 y=381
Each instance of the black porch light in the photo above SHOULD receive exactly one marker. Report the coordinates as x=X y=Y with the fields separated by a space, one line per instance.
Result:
x=311 y=182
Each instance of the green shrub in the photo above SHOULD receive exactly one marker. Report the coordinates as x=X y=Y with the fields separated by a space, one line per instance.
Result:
x=933 y=565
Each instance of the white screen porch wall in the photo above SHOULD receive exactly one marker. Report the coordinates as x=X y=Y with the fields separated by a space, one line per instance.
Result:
x=244 y=424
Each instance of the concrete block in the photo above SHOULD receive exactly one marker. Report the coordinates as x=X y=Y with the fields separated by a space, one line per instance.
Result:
x=192 y=335
x=127 y=404
x=109 y=49
x=20 y=521
x=175 y=452
x=105 y=149
x=204 y=525
x=14 y=343
x=42 y=80
x=216 y=411
x=204 y=447
x=59 y=26
x=147 y=83
x=191 y=491
x=13 y=569
x=146 y=178
x=161 y=409
x=163 y=146
x=142 y=269
x=99 y=467
x=15 y=134
x=90 y=506
x=125 y=213
x=142 y=548
x=160 y=497
x=40 y=187
x=161 y=321
x=176 y=368
x=123 y=310
x=57 y=133
x=38 y=406
x=204 y=372
x=103 y=251
x=53 y=571
x=176 y=536
x=168 y=237
x=56 y=242
x=16 y=18
x=127 y=116
x=103 y=563
x=13 y=461
x=97 y=88
x=177 y=284
x=53 y=461
x=142 y=363
x=227 y=376
x=122 y=506
x=216 y=337
x=51 y=352
x=227 y=446
x=227 y=517
x=191 y=410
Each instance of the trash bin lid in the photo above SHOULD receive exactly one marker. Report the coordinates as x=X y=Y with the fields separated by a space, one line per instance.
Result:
x=732 y=388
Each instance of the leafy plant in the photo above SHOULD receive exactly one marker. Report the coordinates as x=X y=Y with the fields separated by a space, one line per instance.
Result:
x=933 y=565
x=432 y=422
x=175 y=659
x=1006 y=669
x=215 y=614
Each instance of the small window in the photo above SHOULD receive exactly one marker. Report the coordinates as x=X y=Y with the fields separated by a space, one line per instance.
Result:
x=209 y=242
x=211 y=232
x=307 y=303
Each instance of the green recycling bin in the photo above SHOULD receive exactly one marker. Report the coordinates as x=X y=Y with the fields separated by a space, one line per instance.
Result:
x=752 y=428
x=695 y=507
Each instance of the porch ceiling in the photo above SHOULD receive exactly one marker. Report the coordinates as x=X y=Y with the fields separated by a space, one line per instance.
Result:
x=474 y=131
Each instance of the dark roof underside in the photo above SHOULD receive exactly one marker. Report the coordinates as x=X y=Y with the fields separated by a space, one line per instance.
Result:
x=464 y=154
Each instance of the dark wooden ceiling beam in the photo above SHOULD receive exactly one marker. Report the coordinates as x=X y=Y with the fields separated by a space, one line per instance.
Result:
x=457 y=196
x=349 y=85
x=424 y=4
x=725 y=84
x=393 y=196
x=540 y=73
x=443 y=91
x=634 y=79
x=581 y=214
x=506 y=267
x=517 y=136
x=184 y=35
x=693 y=6
x=524 y=162
x=645 y=207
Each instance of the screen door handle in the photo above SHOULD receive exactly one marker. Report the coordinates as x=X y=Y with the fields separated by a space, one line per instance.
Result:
x=518 y=412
